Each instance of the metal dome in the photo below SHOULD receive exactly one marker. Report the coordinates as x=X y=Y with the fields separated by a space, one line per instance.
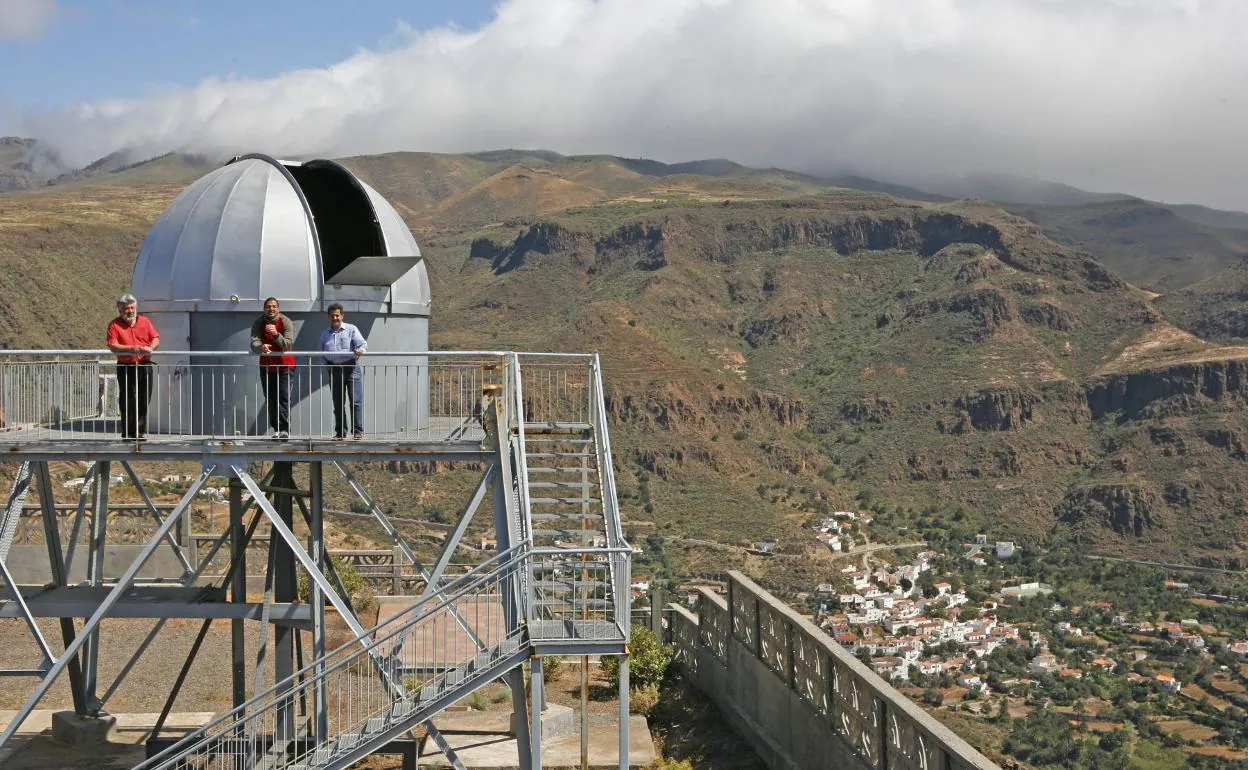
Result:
x=260 y=227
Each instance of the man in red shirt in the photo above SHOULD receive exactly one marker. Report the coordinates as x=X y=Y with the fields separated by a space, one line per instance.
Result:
x=133 y=338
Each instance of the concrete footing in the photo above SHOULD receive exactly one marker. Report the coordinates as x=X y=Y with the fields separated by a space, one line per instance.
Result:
x=482 y=742
x=556 y=721
x=74 y=730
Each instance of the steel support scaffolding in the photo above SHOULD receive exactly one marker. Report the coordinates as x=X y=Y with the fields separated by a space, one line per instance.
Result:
x=550 y=594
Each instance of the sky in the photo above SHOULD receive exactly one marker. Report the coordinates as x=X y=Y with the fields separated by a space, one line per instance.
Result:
x=1137 y=96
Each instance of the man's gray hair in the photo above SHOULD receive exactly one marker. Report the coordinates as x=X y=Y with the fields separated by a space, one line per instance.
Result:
x=126 y=299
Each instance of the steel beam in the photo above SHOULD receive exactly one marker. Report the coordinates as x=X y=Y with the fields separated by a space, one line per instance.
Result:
x=316 y=547
x=187 y=570
x=379 y=515
x=93 y=623
x=285 y=589
x=453 y=539
x=238 y=595
x=46 y=651
x=89 y=480
x=95 y=577
x=314 y=572
x=537 y=681
x=624 y=711
x=60 y=573
x=504 y=535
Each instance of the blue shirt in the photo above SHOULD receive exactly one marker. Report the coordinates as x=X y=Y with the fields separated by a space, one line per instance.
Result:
x=345 y=340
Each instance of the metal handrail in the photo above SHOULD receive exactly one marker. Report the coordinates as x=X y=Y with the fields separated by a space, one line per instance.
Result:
x=606 y=467
x=303 y=679
x=622 y=577
x=106 y=353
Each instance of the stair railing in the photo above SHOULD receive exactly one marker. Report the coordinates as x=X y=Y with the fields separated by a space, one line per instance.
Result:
x=621 y=563
x=275 y=728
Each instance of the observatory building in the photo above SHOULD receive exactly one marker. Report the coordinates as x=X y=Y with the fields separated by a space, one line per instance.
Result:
x=311 y=234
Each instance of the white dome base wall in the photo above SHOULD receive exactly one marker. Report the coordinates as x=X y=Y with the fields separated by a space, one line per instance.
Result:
x=222 y=395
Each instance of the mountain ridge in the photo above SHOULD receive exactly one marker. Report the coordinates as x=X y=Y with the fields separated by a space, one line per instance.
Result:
x=775 y=346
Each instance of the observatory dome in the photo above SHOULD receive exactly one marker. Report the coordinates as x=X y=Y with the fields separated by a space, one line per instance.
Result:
x=308 y=233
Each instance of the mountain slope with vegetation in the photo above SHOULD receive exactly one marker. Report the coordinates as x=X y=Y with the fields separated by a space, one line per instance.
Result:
x=775 y=346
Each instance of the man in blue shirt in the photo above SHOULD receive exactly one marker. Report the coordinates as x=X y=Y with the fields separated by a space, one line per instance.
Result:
x=343 y=344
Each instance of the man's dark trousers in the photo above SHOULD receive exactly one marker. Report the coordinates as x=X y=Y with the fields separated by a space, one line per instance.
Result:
x=276 y=386
x=344 y=388
x=135 y=384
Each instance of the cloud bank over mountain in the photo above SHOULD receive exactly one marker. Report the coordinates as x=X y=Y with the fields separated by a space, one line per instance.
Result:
x=1135 y=95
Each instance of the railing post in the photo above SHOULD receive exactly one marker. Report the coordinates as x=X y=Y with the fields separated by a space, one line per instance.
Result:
x=881 y=713
x=791 y=674
x=732 y=607
x=396 y=571
x=758 y=627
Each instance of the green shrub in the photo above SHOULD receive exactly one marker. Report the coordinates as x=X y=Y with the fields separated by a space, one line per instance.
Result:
x=666 y=763
x=358 y=590
x=551 y=666
x=641 y=700
x=648 y=661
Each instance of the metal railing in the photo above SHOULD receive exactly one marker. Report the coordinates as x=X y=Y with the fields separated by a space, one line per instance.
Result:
x=881 y=727
x=580 y=571
x=79 y=395
x=370 y=691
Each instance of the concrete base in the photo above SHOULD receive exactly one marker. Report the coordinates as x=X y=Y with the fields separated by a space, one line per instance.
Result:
x=497 y=750
x=73 y=730
x=33 y=748
x=556 y=721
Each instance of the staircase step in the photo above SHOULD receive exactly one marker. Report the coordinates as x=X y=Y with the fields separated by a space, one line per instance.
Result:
x=569 y=516
x=548 y=454
x=567 y=585
x=431 y=691
x=402 y=709
x=556 y=566
x=566 y=469
x=539 y=439
x=550 y=427
x=563 y=500
x=562 y=485
x=557 y=533
x=574 y=603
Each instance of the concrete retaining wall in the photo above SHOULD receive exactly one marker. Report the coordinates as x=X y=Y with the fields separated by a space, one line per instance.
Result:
x=800 y=699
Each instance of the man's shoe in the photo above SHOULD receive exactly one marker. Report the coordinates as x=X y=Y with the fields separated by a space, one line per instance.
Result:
x=340 y=438
x=282 y=435
x=359 y=435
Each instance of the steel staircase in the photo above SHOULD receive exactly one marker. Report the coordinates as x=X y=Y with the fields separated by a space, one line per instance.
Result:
x=561 y=582
x=579 y=571
x=11 y=515
x=367 y=699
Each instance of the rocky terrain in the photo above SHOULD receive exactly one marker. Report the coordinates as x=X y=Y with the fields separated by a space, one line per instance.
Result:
x=777 y=346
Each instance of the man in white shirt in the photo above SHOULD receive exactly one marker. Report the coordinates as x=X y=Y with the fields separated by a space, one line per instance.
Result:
x=342 y=345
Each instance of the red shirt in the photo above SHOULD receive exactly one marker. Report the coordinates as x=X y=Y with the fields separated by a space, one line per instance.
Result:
x=142 y=333
x=278 y=363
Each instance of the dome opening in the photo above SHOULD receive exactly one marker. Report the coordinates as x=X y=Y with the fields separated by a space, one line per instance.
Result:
x=346 y=224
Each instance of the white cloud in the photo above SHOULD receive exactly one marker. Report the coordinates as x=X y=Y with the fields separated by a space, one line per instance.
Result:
x=25 y=19
x=1137 y=95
